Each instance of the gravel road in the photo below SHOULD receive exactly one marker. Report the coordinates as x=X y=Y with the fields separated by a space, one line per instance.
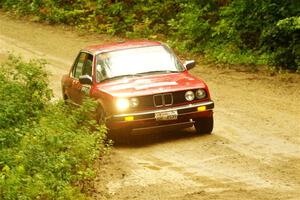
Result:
x=253 y=153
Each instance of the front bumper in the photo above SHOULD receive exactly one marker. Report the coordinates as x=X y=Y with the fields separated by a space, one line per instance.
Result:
x=147 y=119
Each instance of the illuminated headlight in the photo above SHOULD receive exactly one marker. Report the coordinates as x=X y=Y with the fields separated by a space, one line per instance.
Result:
x=122 y=104
x=200 y=94
x=134 y=102
x=189 y=96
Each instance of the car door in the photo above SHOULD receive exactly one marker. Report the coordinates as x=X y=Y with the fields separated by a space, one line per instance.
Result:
x=82 y=66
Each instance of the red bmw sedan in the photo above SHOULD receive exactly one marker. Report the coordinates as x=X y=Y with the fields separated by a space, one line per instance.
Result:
x=139 y=85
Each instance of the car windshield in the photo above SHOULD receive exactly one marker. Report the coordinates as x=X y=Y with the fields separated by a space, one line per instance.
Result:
x=136 y=61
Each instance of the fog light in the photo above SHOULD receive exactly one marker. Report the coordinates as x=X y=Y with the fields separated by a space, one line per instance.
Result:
x=129 y=118
x=201 y=108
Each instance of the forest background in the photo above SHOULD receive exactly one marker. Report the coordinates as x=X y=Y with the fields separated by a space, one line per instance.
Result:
x=251 y=32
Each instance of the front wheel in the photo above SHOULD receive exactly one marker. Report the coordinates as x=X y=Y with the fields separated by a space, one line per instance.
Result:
x=120 y=136
x=100 y=115
x=204 y=125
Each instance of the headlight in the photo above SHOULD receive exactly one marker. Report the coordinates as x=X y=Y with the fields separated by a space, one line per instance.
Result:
x=122 y=104
x=200 y=94
x=189 y=96
x=134 y=102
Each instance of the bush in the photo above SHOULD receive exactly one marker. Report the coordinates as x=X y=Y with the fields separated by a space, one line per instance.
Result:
x=263 y=27
x=47 y=150
x=23 y=88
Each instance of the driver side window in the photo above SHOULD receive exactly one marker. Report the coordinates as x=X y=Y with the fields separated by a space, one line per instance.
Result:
x=77 y=70
x=88 y=67
x=83 y=65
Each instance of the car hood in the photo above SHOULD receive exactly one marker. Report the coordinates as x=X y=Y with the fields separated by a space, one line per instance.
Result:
x=151 y=84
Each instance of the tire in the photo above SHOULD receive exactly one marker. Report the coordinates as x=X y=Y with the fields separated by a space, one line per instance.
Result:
x=100 y=115
x=120 y=136
x=204 y=125
x=65 y=98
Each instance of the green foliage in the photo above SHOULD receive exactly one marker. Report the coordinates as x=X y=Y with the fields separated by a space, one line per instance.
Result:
x=285 y=45
x=192 y=27
x=259 y=26
x=230 y=31
x=47 y=150
x=23 y=88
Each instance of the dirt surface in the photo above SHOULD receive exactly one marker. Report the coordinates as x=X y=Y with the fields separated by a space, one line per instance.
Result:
x=253 y=153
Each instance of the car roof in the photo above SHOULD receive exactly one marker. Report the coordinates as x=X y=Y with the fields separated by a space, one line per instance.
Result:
x=120 y=45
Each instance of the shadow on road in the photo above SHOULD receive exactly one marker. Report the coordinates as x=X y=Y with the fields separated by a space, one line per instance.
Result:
x=155 y=137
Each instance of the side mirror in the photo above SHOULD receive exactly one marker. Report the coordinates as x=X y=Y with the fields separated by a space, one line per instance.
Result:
x=85 y=79
x=189 y=64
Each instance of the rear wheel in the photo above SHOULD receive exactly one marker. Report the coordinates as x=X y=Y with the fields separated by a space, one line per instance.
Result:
x=204 y=125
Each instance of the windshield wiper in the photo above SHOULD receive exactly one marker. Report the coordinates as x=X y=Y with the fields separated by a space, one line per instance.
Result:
x=121 y=76
x=141 y=73
x=158 y=71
